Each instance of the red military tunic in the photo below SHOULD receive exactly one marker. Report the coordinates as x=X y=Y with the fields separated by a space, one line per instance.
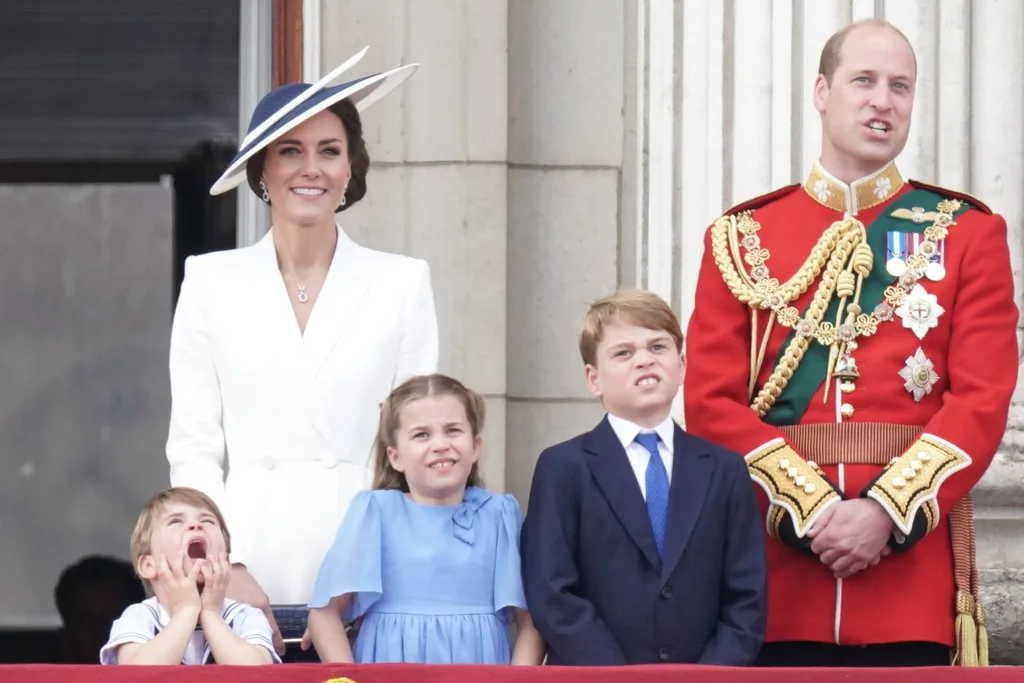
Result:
x=941 y=362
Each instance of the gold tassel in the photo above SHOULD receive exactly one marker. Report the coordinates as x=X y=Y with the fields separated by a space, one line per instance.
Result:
x=966 y=631
x=979 y=617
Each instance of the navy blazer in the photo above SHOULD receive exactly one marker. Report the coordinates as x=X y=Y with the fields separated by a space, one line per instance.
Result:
x=596 y=589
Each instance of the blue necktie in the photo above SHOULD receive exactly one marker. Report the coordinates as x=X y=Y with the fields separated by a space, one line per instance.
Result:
x=657 y=488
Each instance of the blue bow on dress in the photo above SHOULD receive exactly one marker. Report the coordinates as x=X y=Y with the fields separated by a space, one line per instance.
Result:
x=472 y=501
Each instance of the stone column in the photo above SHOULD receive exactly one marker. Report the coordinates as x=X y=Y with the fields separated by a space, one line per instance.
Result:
x=991 y=100
x=565 y=98
x=438 y=179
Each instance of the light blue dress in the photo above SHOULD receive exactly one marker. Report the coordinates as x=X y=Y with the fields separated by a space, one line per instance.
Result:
x=436 y=583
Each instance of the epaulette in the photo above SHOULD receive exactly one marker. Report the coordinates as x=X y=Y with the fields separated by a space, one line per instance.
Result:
x=758 y=202
x=946 y=192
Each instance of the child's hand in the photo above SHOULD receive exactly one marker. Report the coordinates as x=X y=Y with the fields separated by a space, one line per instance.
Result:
x=216 y=576
x=180 y=589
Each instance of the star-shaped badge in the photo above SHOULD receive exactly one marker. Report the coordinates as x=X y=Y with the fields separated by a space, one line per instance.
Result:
x=919 y=375
x=920 y=311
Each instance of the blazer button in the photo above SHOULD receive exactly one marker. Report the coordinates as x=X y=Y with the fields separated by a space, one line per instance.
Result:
x=664 y=654
x=667 y=592
x=268 y=463
x=328 y=460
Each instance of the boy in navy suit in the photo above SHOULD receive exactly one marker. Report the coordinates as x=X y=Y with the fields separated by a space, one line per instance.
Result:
x=642 y=544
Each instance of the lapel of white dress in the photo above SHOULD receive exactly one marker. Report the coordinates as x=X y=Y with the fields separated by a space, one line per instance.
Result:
x=341 y=296
x=297 y=355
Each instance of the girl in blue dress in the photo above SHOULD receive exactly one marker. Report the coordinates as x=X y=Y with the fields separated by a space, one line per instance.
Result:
x=428 y=559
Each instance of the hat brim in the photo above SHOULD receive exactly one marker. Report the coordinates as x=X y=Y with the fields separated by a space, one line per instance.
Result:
x=363 y=93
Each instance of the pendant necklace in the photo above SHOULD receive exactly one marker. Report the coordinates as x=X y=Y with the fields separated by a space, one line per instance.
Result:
x=303 y=297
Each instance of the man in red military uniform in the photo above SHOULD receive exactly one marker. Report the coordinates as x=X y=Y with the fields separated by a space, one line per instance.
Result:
x=854 y=337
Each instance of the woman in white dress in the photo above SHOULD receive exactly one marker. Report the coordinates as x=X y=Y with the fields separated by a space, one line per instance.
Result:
x=282 y=352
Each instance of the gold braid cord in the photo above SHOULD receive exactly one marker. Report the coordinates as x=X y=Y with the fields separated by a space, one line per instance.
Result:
x=744 y=287
x=844 y=260
x=794 y=353
x=757 y=290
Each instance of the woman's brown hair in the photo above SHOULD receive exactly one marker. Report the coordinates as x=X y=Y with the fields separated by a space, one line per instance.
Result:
x=387 y=477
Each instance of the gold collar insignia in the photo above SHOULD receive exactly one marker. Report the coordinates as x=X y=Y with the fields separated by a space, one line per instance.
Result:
x=860 y=195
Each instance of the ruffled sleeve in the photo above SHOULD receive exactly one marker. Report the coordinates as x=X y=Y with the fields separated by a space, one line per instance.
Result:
x=508 y=577
x=353 y=563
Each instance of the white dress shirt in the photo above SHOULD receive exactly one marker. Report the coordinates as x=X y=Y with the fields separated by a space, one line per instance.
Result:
x=639 y=456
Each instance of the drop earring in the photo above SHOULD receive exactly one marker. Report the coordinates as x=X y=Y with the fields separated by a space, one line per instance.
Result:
x=266 y=195
x=343 y=195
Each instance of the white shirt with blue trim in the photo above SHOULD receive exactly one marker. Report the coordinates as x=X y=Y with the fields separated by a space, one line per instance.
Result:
x=142 y=621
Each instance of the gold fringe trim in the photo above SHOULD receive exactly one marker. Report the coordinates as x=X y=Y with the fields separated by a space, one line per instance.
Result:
x=879 y=444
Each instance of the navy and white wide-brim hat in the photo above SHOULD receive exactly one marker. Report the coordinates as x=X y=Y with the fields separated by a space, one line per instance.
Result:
x=287 y=106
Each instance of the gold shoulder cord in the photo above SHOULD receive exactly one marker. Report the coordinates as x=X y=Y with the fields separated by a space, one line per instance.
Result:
x=843 y=259
x=831 y=253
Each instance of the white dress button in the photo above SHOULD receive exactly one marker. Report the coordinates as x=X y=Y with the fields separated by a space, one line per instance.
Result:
x=268 y=462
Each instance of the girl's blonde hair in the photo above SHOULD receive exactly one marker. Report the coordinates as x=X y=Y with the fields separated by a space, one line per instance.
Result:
x=387 y=477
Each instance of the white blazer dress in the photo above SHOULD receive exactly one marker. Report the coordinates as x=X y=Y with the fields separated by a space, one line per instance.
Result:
x=277 y=426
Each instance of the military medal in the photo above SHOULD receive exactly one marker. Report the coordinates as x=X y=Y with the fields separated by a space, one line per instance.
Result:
x=896 y=267
x=920 y=311
x=936 y=253
x=919 y=375
x=899 y=247
x=896 y=254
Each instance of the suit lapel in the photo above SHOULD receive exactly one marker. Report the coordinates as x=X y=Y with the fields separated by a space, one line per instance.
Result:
x=617 y=481
x=339 y=300
x=692 y=470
